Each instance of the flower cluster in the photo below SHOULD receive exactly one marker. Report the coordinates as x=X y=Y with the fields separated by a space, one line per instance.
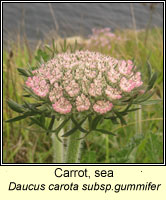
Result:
x=84 y=81
x=101 y=38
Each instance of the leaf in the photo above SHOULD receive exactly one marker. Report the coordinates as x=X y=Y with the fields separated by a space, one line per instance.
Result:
x=42 y=119
x=95 y=121
x=80 y=138
x=122 y=120
x=41 y=55
x=90 y=121
x=144 y=97
x=65 y=45
x=77 y=125
x=26 y=95
x=51 y=124
x=149 y=69
x=70 y=132
x=152 y=81
x=29 y=91
x=48 y=47
x=16 y=118
x=50 y=50
x=114 y=120
x=74 y=129
x=151 y=102
x=24 y=72
x=148 y=96
x=55 y=49
x=32 y=107
x=134 y=109
x=59 y=128
x=105 y=131
x=26 y=114
x=71 y=49
x=128 y=106
x=15 y=106
x=38 y=122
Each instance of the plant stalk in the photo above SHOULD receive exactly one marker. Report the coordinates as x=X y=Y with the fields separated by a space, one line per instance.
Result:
x=107 y=148
x=73 y=152
x=58 y=147
x=138 y=117
x=74 y=147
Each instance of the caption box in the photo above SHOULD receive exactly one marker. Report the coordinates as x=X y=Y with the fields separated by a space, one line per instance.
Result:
x=83 y=182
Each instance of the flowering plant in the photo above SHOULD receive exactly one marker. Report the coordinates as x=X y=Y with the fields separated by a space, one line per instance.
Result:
x=78 y=90
x=101 y=38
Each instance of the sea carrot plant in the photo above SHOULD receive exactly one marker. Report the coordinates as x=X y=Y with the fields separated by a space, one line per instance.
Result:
x=73 y=91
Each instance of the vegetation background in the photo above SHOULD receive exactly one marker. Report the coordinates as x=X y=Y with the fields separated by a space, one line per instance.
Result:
x=139 y=141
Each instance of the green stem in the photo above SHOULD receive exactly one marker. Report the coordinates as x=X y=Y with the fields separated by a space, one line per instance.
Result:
x=58 y=147
x=74 y=146
x=107 y=148
x=138 y=117
x=73 y=149
x=71 y=153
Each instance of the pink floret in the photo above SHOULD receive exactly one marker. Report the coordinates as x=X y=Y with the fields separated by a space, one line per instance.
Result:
x=62 y=106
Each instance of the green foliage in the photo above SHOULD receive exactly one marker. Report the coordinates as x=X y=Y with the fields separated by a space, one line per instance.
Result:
x=59 y=128
x=42 y=56
x=104 y=131
x=15 y=106
x=77 y=127
x=89 y=157
x=150 y=102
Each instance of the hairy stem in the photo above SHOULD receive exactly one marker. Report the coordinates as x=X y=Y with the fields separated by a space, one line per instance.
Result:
x=74 y=146
x=58 y=147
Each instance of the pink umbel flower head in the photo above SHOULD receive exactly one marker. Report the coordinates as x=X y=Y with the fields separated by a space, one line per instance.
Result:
x=84 y=81
x=82 y=103
x=101 y=38
x=62 y=106
x=102 y=106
